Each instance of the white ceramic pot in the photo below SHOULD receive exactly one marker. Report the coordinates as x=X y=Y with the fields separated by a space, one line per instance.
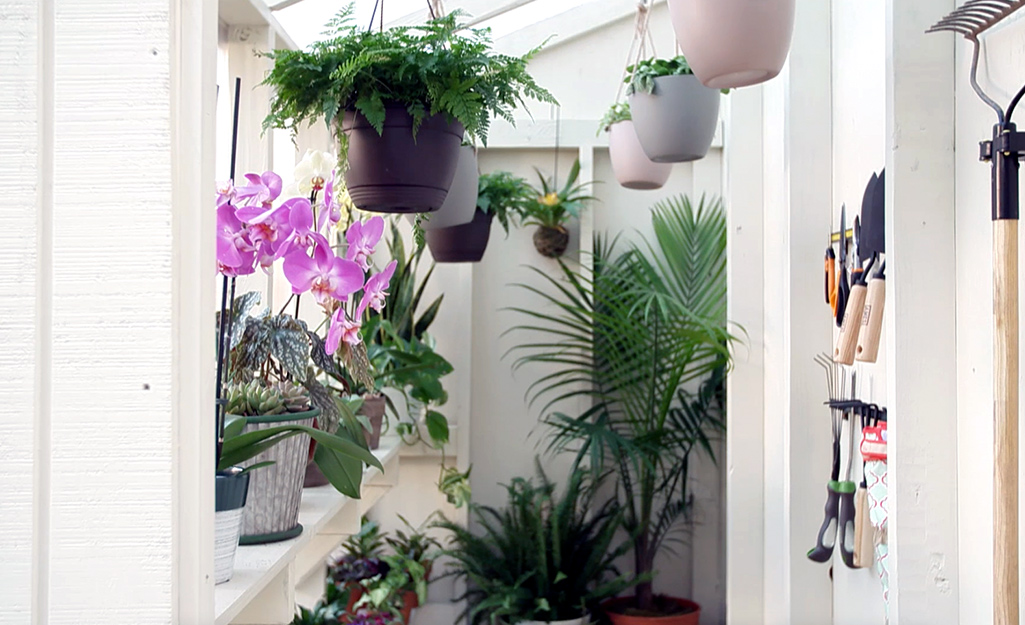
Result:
x=232 y=491
x=676 y=122
x=734 y=43
x=461 y=201
x=633 y=168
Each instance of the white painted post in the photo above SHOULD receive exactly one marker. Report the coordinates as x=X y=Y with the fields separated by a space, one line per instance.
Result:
x=920 y=315
x=745 y=435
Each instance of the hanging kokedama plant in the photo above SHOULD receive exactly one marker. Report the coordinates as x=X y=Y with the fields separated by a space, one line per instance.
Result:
x=552 y=208
x=399 y=102
x=734 y=43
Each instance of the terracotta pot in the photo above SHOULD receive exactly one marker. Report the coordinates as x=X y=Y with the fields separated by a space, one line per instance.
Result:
x=551 y=242
x=676 y=122
x=734 y=43
x=615 y=608
x=409 y=601
x=394 y=172
x=633 y=168
x=272 y=510
x=461 y=202
x=373 y=408
x=461 y=244
x=231 y=490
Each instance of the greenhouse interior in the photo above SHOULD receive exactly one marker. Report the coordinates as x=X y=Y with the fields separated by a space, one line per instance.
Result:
x=510 y=312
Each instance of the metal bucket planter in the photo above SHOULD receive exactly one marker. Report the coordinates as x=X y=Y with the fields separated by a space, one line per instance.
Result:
x=231 y=491
x=461 y=244
x=734 y=43
x=461 y=201
x=395 y=172
x=272 y=513
x=676 y=122
x=633 y=168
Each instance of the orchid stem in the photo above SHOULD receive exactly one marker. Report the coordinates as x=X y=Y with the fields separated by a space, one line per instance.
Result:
x=287 y=302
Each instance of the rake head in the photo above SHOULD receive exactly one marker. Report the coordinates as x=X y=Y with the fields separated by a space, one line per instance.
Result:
x=975 y=16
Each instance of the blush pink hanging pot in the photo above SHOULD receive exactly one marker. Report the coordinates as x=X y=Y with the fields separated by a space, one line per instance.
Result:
x=734 y=43
x=632 y=167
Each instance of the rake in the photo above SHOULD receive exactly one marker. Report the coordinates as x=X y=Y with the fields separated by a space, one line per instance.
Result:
x=1003 y=152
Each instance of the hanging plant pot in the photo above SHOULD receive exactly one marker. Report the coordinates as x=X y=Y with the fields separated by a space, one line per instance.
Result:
x=676 y=122
x=686 y=612
x=734 y=43
x=461 y=244
x=461 y=202
x=551 y=242
x=373 y=409
x=633 y=168
x=231 y=490
x=395 y=172
x=272 y=512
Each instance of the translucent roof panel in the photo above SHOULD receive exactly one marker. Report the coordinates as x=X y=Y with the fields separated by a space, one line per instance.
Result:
x=304 y=21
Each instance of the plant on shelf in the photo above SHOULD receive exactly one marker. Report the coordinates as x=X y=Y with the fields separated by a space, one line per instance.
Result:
x=619 y=112
x=552 y=207
x=414 y=543
x=430 y=82
x=546 y=556
x=637 y=329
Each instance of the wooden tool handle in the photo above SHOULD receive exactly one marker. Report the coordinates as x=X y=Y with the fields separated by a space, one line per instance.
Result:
x=1005 y=422
x=848 y=341
x=864 y=543
x=872 y=322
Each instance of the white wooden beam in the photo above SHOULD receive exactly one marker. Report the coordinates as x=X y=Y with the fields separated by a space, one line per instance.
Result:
x=255 y=13
x=477 y=11
x=920 y=316
x=569 y=133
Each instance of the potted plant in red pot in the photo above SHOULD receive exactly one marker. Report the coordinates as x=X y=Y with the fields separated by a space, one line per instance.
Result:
x=400 y=101
x=632 y=167
x=500 y=195
x=675 y=116
x=656 y=323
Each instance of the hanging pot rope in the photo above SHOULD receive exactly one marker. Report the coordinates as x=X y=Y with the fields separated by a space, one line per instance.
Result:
x=639 y=47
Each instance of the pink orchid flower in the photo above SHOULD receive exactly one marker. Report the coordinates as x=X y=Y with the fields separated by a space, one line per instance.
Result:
x=331 y=211
x=225 y=193
x=362 y=238
x=267 y=228
x=375 y=291
x=342 y=329
x=325 y=275
x=261 y=190
x=301 y=235
x=235 y=254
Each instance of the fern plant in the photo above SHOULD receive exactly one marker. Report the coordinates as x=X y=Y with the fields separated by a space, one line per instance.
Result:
x=436 y=68
x=630 y=336
x=546 y=556
x=504 y=195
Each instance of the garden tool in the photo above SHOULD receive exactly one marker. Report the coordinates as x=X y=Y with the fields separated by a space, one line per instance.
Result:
x=872 y=246
x=847 y=342
x=843 y=287
x=847 y=490
x=864 y=543
x=831 y=278
x=1003 y=152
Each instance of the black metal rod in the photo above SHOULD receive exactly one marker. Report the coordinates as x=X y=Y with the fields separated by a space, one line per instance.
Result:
x=1005 y=175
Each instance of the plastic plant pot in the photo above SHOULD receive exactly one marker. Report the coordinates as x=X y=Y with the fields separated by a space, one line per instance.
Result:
x=231 y=490
x=676 y=122
x=461 y=244
x=632 y=167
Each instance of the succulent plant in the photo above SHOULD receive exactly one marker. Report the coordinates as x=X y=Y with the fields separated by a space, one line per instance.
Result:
x=296 y=398
x=253 y=399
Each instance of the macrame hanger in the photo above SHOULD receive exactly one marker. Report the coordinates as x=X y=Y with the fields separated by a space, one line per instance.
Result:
x=638 y=47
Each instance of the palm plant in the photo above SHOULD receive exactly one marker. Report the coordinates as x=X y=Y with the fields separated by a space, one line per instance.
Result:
x=543 y=557
x=630 y=335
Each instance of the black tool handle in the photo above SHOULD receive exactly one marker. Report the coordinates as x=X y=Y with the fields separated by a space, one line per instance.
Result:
x=843 y=291
x=846 y=524
x=823 y=549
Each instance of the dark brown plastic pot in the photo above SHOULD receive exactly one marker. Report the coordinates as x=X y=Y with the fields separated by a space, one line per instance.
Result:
x=461 y=244
x=373 y=409
x=551 y=242
x=395 y=172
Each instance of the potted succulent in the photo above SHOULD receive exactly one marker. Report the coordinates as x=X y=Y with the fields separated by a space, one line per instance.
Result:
x=400 y=102
x=655 y=322
x=270 y=360
x=734 y=43
x=500 y=195
x=550 y=210
x=675 y=116
x=632 y=167
x=545 y=557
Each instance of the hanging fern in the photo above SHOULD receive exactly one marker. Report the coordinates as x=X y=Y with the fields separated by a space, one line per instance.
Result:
x=437 y=68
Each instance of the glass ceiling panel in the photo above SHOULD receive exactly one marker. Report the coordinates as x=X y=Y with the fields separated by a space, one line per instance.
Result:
x=304 y=21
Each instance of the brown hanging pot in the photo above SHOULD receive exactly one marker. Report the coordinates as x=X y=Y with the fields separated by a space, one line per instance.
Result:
x=551 y=242
x=461 y=244
x=395 y=172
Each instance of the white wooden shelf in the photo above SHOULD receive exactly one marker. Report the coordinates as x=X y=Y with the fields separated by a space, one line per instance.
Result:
x=262 y=589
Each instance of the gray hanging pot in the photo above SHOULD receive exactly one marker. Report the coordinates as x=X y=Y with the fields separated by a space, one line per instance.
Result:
x=231 y=489
x=272 y=512
x=676 y=122
x=461 y=201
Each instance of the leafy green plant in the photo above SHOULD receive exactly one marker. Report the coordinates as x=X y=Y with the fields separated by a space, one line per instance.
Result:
x=368 y=542
x=641 y=77
x=435 y=68
x=629 y=335
x=414 y=543
x=619 y=112
x=545 y=556
x=552 y=207
x=505 y=196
